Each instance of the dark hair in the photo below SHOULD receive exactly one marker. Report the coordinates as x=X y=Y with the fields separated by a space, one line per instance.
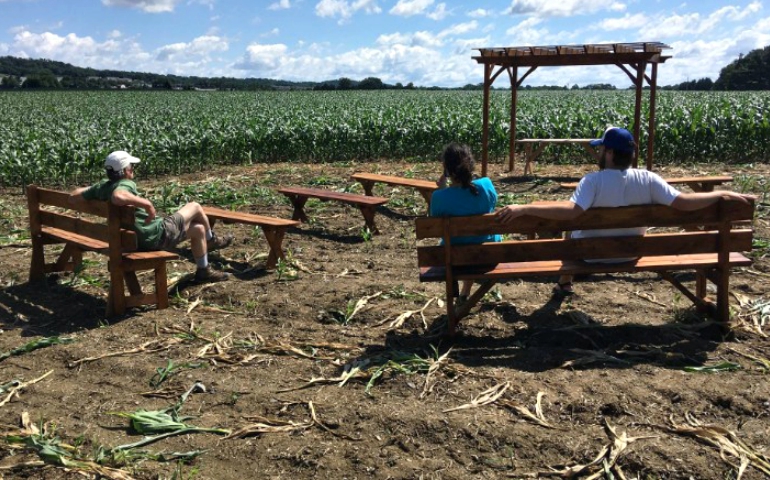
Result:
x=114 y=175
x=623 y=159
x=458 y=164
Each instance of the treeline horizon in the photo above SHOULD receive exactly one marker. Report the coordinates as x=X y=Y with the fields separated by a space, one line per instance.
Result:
x=748 y=72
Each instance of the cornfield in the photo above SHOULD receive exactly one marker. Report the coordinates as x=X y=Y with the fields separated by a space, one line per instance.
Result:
x=62 y=137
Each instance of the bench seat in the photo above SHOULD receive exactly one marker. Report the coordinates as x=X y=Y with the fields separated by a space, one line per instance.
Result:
x=367 y=204
x=368 y=180
x=274 y=228
x=576 y=267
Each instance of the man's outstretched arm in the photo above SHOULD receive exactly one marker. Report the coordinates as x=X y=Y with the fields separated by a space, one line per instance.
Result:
x=695 y=201
x=549 y=210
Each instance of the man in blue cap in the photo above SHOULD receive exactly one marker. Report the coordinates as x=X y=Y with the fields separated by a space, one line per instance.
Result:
x=616 y=184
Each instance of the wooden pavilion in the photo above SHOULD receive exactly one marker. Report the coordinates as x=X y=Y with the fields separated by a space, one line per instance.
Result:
x=632 y=58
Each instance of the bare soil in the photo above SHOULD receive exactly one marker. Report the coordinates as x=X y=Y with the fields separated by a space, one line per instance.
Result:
x=612 y=358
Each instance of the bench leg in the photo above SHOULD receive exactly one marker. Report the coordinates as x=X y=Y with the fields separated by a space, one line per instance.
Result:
x=701 y=284
x=723 y=294
x=37 y=267
x=426 y=194
x=368 y=213
x=69 y=259
x=592 y=151
x=299 y=208
x=274 y=237
x=132 y=282
x=368 y=186
x=116 y=302
x=161 y=285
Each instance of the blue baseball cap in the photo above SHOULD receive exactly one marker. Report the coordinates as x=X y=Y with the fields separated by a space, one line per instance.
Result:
x=617 y=139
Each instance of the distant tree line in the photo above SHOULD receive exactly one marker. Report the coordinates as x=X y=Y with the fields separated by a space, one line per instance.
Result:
x=748 y=72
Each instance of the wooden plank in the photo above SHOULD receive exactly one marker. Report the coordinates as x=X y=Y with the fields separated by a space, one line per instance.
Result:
x=60 y=199
x=321 y=194
x=86 y=243
x=393 y=180
x=594 y=218
x=230 y=216
x=97 y=231
x=579 y=249
x=37 y=263
x=568 y=267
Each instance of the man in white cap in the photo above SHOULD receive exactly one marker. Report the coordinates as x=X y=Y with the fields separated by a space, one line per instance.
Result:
x=616 y=184
x=189 y=222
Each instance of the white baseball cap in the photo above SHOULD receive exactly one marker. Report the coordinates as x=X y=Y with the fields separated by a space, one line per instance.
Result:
x=118 y=160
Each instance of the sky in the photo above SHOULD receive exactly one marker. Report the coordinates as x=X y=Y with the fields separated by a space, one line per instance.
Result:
x=426 y=42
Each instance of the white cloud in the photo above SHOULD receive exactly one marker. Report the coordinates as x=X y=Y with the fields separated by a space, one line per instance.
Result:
x=439 y=13
x=626 y=22
x=114 y=34
x=460 y=28
x=205 y=3
x=263 y=58
x=407 y=8
x=271 y=33
x=149 y=6
x=669 y=26
x=562 y=8
x=344 y=9
x=280 y=5
x=18 y=29
x=197 y=50
x=480 y=13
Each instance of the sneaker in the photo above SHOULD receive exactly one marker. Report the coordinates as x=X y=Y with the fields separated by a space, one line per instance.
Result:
x=209 y=275
x=218 y=242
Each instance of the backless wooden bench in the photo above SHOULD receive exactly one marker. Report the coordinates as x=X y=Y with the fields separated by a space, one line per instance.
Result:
x=299 y=195
x=274 y=228
x=425 y=187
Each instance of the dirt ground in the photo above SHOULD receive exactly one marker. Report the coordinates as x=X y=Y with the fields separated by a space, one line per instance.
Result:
x=545 y=386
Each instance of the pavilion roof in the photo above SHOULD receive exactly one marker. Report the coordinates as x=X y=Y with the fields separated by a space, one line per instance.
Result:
x=566 y=55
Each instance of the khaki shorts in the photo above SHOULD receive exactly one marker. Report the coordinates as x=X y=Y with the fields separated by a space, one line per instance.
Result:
x=173 y=231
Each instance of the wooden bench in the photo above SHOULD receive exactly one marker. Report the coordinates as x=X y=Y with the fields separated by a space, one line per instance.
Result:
x=425 y=187
x=710 y=253
x=273 y=228
x=533 y=147
x=299 y=195
x=110 y=233
x=697 y=184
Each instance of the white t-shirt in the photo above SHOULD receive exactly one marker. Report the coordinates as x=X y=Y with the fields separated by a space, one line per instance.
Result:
x=620 y=188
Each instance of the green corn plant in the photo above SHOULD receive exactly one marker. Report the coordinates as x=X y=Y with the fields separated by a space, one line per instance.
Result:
x=34 y=345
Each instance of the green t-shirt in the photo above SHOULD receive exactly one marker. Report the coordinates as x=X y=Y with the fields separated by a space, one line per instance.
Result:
x=148 y=234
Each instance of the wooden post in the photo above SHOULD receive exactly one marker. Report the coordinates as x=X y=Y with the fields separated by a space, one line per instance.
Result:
x=485 y=121
x=639 y=82
x=651 y=128
x=723 y=269
x=513 y=73
x=450 y=281
x=116 y=304
x=37 y=266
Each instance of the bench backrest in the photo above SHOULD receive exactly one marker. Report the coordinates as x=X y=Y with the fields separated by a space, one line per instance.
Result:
x=716 y=235
x=108 y=223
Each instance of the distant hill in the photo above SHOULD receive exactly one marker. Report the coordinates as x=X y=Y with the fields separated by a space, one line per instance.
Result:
x=52 y=74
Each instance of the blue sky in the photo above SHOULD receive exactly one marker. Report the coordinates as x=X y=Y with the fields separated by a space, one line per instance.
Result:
x=427 y=42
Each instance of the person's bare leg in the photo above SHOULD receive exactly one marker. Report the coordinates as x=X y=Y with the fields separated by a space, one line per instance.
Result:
x=197 y=236
x=564 y=284
x=192 y=213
